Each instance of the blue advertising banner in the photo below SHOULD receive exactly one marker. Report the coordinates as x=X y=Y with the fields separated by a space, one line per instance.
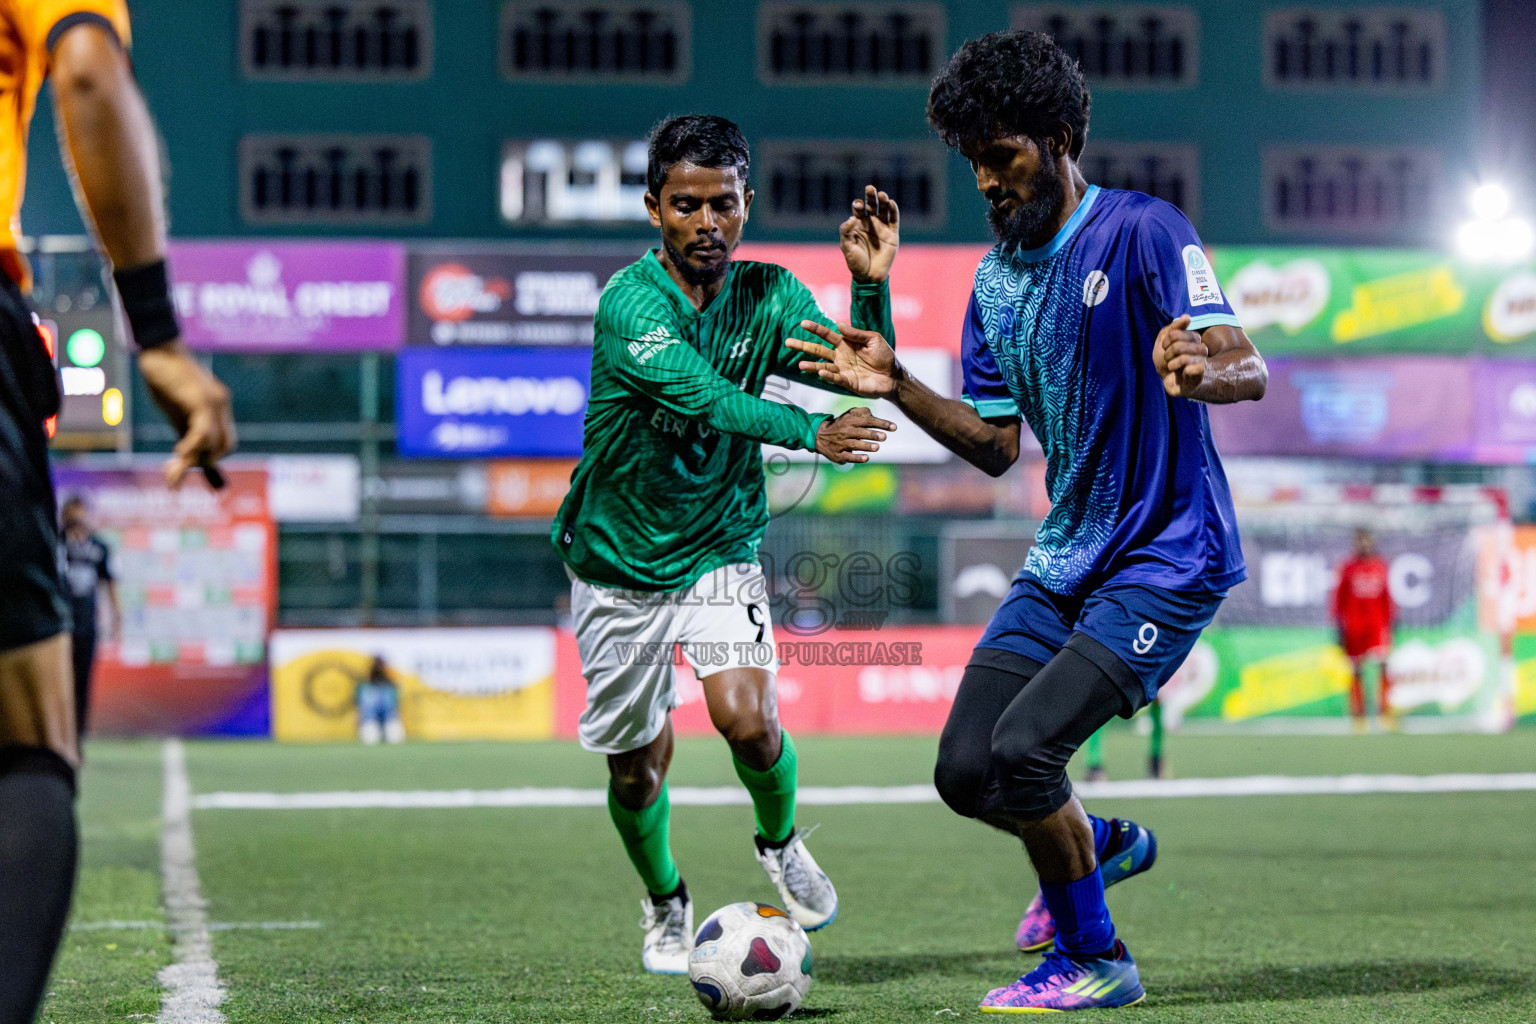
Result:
x=469 y=403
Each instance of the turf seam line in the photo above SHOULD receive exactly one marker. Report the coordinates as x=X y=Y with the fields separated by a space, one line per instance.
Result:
x=193 y=992
x=812 y=796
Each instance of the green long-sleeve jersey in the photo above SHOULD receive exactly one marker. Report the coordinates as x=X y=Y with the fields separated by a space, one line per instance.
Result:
x=670 y=484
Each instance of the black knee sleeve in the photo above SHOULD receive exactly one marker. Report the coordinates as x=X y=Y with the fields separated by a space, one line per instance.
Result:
x=963 y=773
x=1066 y=702
x=38 y=760
x=959 y=780
x=38 y=849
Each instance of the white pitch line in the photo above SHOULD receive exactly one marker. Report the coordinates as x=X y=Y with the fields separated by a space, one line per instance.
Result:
x=193 y=992
x=1310 y=785
x=213 y=926
x=694 y=796
x=813 y=796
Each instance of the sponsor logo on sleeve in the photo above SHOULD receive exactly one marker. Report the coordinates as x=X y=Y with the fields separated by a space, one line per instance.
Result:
x=1201 y=278
x=650 y=343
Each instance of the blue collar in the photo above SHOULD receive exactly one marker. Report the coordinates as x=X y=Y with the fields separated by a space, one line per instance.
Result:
x=1063 y=236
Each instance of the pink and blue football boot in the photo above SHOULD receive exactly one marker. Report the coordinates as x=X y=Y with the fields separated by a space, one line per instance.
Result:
x=1131 y=850
x=1062 y=983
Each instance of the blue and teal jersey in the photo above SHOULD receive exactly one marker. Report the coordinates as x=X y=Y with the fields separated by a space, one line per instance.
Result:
x=1063 y=336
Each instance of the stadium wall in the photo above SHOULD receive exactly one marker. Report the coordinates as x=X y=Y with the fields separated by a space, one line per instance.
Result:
x=1218 y=123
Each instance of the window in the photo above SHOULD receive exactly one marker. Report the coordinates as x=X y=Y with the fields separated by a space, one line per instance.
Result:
x=835 y=43
x=1370 y=48
x=1167 y=170
x=596 y=41
x=1122 y=45
x=560 y=181
x=1390 y=194
x=335 y=179
x=331 y=40
x=810 y=183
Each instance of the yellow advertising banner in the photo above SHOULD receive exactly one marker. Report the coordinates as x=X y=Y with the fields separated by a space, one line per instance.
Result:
x=1274 y=684
x=450 y=684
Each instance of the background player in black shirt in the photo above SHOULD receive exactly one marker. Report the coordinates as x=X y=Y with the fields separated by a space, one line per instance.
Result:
x=87 y=572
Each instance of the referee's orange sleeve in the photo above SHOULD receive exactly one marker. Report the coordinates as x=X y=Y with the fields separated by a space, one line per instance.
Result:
x=42 y=21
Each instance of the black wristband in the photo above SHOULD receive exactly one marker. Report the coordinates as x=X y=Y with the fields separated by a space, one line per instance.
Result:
x=146 y=295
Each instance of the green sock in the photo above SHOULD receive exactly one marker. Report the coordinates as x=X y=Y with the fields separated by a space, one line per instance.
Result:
x=773 y=792
x=1155 y=745
x=647 y=840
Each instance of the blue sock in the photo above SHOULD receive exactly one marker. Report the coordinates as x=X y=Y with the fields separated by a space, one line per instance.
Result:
x=1083 y=927
x=1101 y=834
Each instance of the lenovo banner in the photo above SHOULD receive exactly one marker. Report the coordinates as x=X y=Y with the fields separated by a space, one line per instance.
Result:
x=467 y=403
x=498 y=297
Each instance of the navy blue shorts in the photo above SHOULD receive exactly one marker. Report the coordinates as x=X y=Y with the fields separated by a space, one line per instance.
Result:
x=1140 y=635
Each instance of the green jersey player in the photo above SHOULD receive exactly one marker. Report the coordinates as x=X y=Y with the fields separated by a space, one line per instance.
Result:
x=667 y=507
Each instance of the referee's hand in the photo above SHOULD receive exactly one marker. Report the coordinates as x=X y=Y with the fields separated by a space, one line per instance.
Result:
x=196 y=403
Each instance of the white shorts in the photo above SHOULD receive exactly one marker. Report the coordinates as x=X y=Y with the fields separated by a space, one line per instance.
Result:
x=630 y=641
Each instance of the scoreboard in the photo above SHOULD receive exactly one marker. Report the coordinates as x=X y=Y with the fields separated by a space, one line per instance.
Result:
x=79 y=324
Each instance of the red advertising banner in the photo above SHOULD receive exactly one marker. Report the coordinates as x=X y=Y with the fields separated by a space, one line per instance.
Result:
x=930 y=285
x=887 y=682
x=196 y=575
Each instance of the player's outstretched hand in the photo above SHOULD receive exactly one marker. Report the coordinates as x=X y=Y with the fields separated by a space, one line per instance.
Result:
x=197 y=405
x=871 y=236
x=1180 y=357
x=855 y=360
x=851 y=436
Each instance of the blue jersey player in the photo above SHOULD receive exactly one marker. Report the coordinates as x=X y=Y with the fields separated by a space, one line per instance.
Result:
x=1098 y=320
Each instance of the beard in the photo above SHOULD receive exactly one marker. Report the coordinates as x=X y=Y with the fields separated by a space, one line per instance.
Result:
x=695 y=275
x=1024 y=225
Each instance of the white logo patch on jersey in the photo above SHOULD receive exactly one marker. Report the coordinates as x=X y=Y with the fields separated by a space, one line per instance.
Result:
x=740 y=348
x=1095 y=288
x=1201 y=278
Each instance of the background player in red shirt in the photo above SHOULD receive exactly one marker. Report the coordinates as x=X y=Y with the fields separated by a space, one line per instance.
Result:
x=1363 y=611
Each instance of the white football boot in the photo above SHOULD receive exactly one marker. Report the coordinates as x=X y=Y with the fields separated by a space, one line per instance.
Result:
x=805 y=889
x=668 y=934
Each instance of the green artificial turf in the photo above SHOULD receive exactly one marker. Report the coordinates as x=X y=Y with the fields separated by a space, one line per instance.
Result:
x=108 y=974
x=1363 y=908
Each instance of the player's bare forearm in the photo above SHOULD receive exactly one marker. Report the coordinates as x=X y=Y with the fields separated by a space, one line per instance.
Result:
x=111 y=144
x=990 y=447
x=1233 y=376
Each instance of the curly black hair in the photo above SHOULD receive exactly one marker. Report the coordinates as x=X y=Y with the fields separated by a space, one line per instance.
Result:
x=702 y=139
x=1009 y=83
